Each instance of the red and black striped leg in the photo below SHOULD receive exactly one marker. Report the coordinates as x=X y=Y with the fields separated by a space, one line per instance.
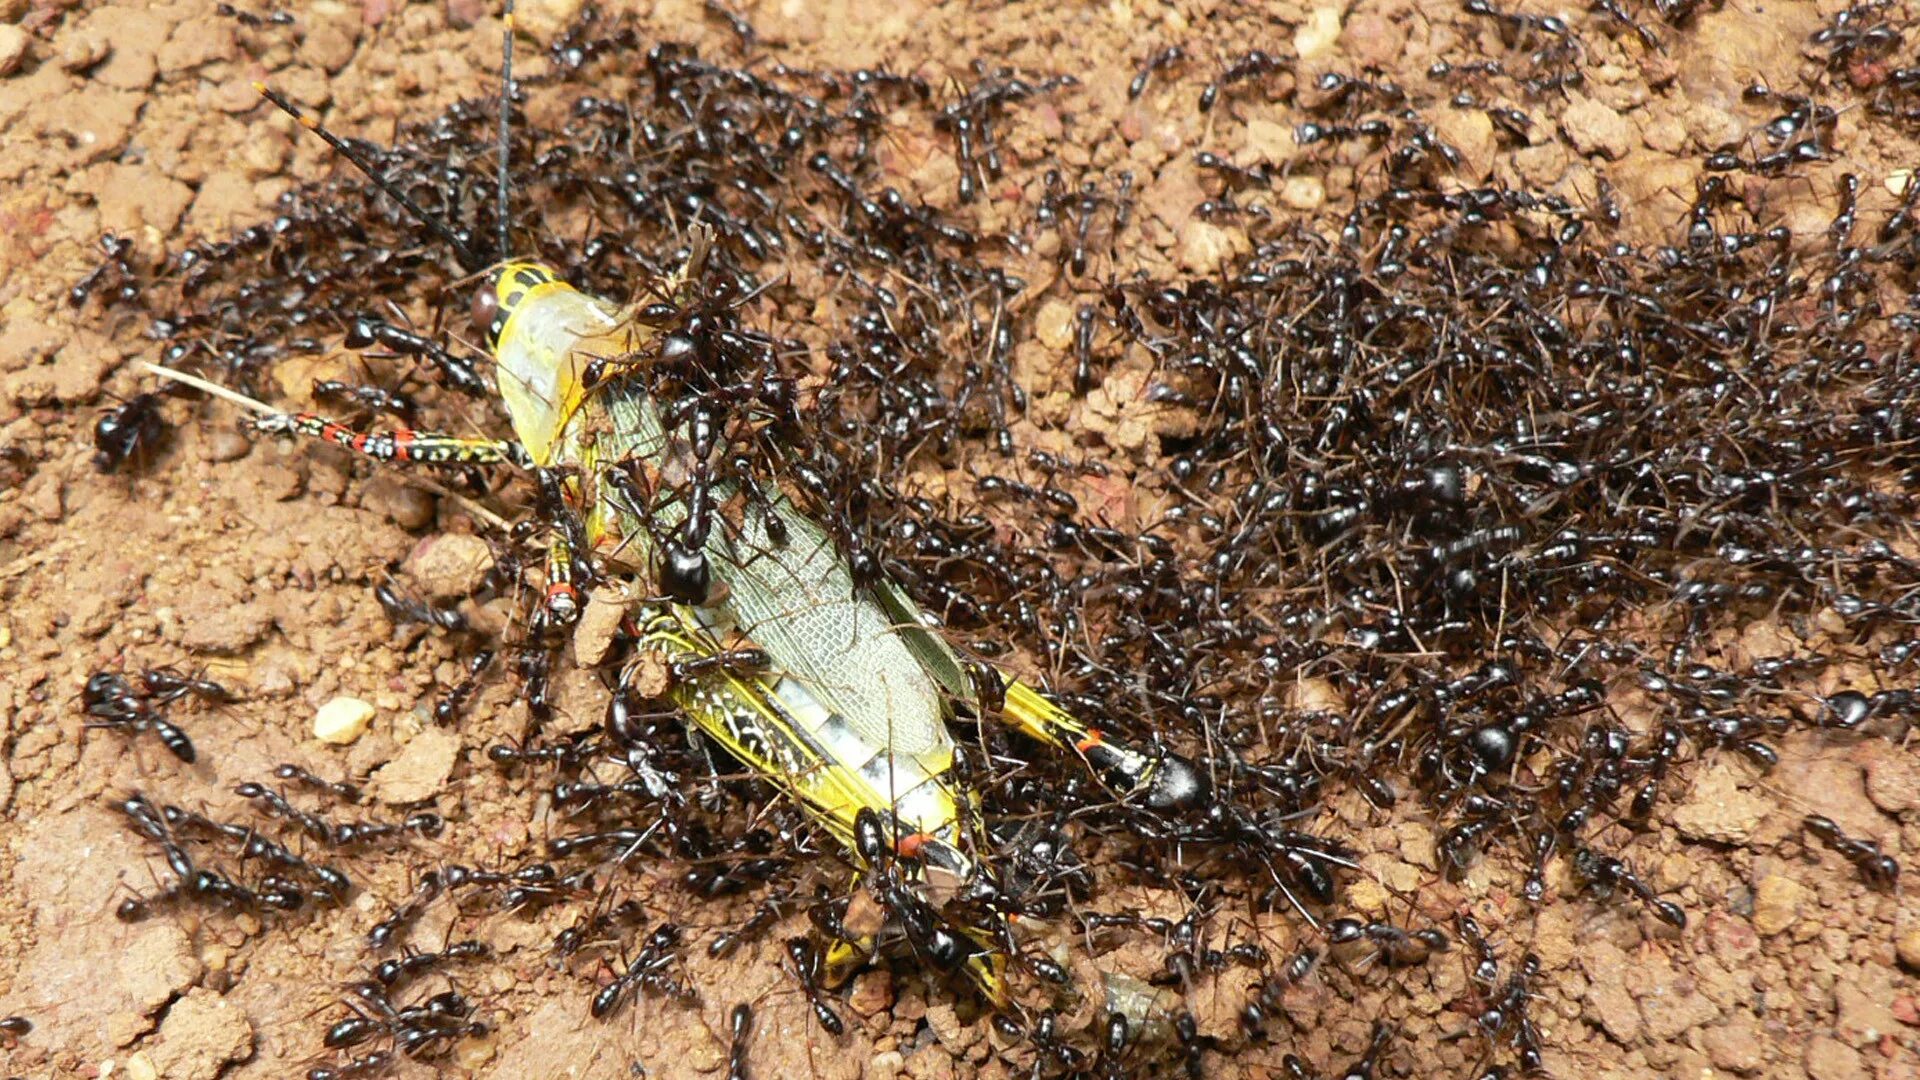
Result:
x=402 y=446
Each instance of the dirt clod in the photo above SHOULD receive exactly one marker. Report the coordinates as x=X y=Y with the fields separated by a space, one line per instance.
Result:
x=599 y=624
x=1735 y=1045
x=448 y=566
x=1830 y=1059
x=13 y=49
x=1719 y=809
x=202 y=1033
x=1204 y=247
x=1776 y=903
x=1893 y=780
x=1610 y=1001
x=422 y=766
x=1908 y=949
x=1597 y=129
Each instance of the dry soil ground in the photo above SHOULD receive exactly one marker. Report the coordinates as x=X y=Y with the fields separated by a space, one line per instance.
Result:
x=256 y=563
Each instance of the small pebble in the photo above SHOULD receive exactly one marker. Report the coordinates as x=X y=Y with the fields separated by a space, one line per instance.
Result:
x=1596 y=129
x=1908 y=949
x=82 y=51
x=449 y=565
x=1303 y=193
x=1053 y=324
x=141 y=1067
x=401 y=503
x=1204 y=247
x=342 y=720
x=224 y=444
x=1776 y=903
x=13 y=49
x=1316 y=36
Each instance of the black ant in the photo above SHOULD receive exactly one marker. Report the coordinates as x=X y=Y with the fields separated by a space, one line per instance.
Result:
x=425 y=891
x=740 y=1023
x=1400 y=948
x=448 y=708
x=277 y=804
x=1605 y=872
x=128 y=433
x=359 y=1068
x=645 y=971
x=403 y=610
x=391 y=973
x=337 y=789
x=371 y=398
x=116 y=249
x=808 y=967
x=1251 y=65
x=1160 y=60
x=735 y=662
x=1876 y=867
x=742 y=29
x=113 y=702
x=251 y=19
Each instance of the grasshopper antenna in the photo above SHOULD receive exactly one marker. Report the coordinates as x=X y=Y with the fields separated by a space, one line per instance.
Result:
x=506 y=111
x=206 y=386
x=469 y=259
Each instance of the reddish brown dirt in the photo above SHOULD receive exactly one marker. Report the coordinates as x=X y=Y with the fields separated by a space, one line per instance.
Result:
x=256 y=563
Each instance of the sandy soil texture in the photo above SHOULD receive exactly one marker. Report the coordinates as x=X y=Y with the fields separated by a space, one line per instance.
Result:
x=255 y=562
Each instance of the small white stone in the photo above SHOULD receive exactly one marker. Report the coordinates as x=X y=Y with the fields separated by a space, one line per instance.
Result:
x=1897 y=182
x=1316 y=36
x=342 y=720
x=1303 y=193
x=141 y=1067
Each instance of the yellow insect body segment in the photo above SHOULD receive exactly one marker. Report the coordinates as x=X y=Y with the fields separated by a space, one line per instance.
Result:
x=540 y=327
x=854 y=715
x=786 y=732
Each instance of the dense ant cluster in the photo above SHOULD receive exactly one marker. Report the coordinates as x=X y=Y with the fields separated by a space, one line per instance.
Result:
x=1456 y=497
x=380 y=1015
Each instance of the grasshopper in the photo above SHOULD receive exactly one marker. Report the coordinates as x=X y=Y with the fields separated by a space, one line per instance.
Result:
x=849 y=714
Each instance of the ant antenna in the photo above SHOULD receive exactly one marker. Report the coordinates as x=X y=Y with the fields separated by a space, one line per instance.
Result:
x=468 y=259
x=506 y=109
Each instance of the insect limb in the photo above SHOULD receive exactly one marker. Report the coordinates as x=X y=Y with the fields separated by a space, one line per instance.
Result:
x=256 y=405
x=563 y=592
x=1164 y=779
x=402 y=445
x=469 y=259
x=567 y=566
x=506 y=134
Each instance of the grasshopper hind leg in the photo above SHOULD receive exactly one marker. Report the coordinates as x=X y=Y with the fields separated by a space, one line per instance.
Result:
x=1163 y=780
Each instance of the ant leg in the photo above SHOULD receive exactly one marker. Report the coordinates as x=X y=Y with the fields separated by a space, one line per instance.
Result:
x=1166 y=780
x=402 y=446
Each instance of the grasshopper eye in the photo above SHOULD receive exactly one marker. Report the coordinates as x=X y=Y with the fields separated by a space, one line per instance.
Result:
x=486 y=311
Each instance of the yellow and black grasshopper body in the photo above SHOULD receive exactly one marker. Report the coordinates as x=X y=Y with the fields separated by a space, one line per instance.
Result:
x=849 y=715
